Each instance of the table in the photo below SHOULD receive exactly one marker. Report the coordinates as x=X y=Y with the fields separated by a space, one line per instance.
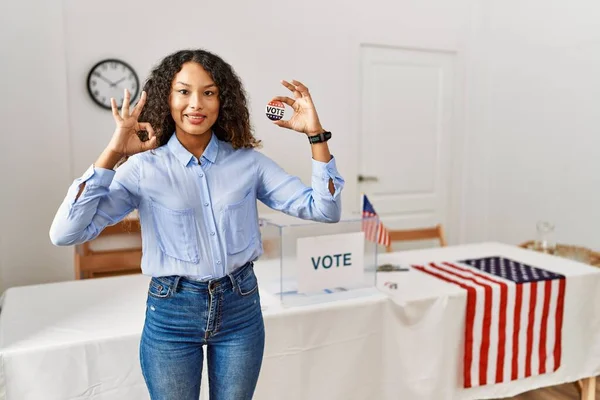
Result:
x=79 y=339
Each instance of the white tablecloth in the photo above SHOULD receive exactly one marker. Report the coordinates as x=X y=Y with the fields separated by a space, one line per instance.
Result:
x=79 y=340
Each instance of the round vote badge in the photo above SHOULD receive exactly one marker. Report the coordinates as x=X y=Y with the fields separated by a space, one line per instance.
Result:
x=275 y=110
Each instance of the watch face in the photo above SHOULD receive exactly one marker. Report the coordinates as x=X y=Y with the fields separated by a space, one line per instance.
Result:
x=109 y=78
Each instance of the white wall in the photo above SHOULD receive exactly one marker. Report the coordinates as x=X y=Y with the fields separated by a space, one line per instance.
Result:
x=536 y=125
x=265 y=41
x=34 y=161
x=529 y=69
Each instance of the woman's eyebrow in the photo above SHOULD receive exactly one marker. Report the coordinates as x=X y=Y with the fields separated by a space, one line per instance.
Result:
x=188 y=85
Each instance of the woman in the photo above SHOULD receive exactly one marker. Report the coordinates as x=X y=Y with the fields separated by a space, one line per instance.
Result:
x=194 y=176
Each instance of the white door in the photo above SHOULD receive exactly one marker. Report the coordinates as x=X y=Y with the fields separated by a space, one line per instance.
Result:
x=405 y=159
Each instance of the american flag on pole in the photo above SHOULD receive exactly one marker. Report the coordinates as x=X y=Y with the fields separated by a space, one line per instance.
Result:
x=372 y=226
x=514 y=318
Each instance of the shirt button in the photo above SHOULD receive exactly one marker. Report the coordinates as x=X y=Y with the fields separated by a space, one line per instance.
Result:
x=212 y=234
x=201 y=175
x=219 y=262
x=205 y=204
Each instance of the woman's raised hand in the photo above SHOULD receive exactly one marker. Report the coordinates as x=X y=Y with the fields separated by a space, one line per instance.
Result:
x=125 y=140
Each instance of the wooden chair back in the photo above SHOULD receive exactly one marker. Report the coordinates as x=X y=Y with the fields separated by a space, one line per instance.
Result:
x=91 y=263
x=436 y=232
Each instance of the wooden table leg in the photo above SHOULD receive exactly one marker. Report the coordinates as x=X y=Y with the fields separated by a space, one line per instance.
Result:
x=587 y=388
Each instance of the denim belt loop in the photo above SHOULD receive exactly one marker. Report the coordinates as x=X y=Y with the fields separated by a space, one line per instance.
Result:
x=175 y=284
x=232 y=279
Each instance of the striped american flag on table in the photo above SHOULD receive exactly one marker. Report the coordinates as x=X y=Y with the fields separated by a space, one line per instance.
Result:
x=372 y=226
x=514 y=317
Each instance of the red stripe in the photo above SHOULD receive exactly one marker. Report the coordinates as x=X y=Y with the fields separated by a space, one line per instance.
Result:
x=374 y=227
x=530 y=327
x=516 y=329
x=386 y=236
x=380 y=234
x=470 y=318
x=560 y=305
x=485 y=339
x=484 y=349
x=502 y=333
x=544 y=326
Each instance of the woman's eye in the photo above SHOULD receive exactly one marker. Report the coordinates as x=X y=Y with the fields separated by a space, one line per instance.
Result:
x=183 y=91
x=209 y=93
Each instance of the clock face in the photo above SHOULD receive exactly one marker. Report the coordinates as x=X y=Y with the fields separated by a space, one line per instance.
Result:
x=109 y=78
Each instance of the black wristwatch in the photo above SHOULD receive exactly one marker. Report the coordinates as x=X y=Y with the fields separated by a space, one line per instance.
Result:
x=320 y=138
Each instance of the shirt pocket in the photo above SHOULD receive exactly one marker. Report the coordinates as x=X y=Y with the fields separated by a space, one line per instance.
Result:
x=239 y=224
x=176 y=232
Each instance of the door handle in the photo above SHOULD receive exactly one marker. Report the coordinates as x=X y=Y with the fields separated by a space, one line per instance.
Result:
x=362 y=178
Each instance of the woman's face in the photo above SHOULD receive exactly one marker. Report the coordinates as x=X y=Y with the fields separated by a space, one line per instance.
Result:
x=194 y=100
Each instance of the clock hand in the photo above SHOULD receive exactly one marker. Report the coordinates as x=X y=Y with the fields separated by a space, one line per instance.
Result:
x=117 y=82
x=104 y=79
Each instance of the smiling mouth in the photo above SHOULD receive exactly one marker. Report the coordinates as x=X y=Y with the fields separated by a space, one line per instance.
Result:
x=196 y=119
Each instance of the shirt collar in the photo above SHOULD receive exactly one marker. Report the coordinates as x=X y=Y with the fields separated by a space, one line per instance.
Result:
x=184 y=156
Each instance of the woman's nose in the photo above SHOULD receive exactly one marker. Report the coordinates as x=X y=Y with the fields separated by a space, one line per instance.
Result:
x=195 y=102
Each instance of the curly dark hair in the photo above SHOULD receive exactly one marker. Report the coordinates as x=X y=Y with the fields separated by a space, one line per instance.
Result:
x=233 y=122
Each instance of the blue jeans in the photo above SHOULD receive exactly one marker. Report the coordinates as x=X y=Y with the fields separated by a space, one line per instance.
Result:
x=183 y=315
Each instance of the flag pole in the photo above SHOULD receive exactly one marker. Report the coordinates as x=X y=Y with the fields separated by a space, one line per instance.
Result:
x=362 y=202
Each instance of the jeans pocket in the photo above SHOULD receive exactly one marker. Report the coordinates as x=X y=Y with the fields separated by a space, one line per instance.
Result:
x=176 y=232
x=247 y=284
x=158 y=289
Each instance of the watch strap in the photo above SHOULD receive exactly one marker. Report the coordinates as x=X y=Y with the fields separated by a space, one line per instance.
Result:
x=320 y=138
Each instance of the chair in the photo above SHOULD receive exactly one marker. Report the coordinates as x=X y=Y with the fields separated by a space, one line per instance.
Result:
x=436 y=232
x=113 y=262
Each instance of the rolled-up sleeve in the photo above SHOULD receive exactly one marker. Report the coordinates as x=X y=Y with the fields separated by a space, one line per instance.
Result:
x=108 y=197
x=284 y=192
x=321 y=174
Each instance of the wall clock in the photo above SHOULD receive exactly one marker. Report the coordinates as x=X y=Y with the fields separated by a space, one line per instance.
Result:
x=108 y=78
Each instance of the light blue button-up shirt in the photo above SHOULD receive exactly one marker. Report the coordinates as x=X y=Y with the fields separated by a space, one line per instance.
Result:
x=199 y=218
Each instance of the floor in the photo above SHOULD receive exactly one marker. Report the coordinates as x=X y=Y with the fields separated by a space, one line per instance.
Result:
x=560 y=392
